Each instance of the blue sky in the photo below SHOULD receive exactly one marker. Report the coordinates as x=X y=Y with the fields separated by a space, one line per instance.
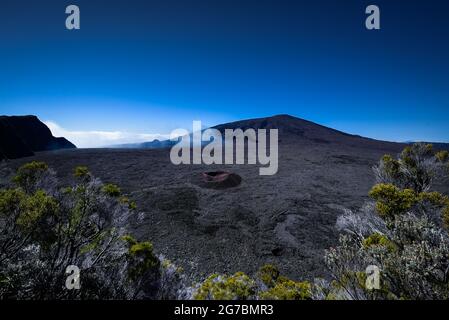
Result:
x=138 y=69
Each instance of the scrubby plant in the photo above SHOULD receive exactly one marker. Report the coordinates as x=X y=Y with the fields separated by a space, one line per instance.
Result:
x=132 y=205
x=45 y=229
x=401 y=233
x=268 y=274
x=81 y=172
x=416 y=167
x=28 y=174
x=111 y=190
x=442 y=156
x=34 y=176
x=378 y=240
x=391 y=201
x=287 y=289
x=221 y=287
x=141 y=256
x=388 y=170
x=445 y=215
x=173 y=283
x=269 y=284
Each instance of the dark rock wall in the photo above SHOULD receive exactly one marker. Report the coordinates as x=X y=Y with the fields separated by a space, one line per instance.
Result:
x=21 y=136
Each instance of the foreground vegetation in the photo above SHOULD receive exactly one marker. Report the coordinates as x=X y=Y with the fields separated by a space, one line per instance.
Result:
x=44 y=228
x=402 y=231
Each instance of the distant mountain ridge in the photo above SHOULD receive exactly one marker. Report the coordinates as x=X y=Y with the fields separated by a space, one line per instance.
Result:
x=289 y=127
x=21 y=136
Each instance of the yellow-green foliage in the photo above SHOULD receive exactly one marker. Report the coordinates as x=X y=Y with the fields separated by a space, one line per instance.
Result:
x=141 y=248
x=67 y=190
x=442 y=156
x=29 y=173
x=28 y=209
x=241 y=287
x=434 y=198
x=126 y=201
x=30 y=213
x=439 y=200
x=286 y=289
x=81 y=172
x=129 y=239
x=347 y=279
x=378 y=240
x=167 y=264
x=142 y=258
x=111 y=190
x=391 y=201
x=391 y=165
x=35 y=207
x=409 y=154
x=269 y=274
x=445 y=217
x=31 y=168
x=10 y=200
x=221 y=287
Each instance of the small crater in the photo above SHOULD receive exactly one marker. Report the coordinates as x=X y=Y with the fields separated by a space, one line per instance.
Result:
x=277 y=251
x=220 y=180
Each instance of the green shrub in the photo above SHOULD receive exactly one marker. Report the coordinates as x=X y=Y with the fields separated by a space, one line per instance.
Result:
x=376 y=239
x=269 y=274
x=416 y=168
x=10 y=201
x=29 y=174
x=44 y=229
x=411 y=155
x=391 y=201
x=286 y=289
x=35 y=208
x=391 y=166
x=111 y=190
x=81 y=172
x=408 y=245
x=442 y=156
x=239 y=286
x=445 y=216
x=126 y=201
x=141 y=258
x=221 y=287
x=434 y=198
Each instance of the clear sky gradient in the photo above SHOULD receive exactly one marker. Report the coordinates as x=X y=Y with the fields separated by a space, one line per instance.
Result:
x=137 y=69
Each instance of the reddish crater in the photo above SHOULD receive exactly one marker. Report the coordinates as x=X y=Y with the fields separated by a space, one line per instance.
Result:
x=220 y=179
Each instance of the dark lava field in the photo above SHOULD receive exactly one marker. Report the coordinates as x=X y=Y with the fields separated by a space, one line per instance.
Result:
x=287 y=219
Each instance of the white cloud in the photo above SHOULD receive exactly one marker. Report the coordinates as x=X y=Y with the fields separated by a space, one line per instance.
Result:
x=93 y=139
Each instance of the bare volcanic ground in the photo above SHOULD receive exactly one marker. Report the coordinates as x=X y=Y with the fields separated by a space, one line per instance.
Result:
x=287 y=219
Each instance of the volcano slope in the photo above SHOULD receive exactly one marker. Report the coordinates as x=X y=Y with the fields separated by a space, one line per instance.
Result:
x=287 y=219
